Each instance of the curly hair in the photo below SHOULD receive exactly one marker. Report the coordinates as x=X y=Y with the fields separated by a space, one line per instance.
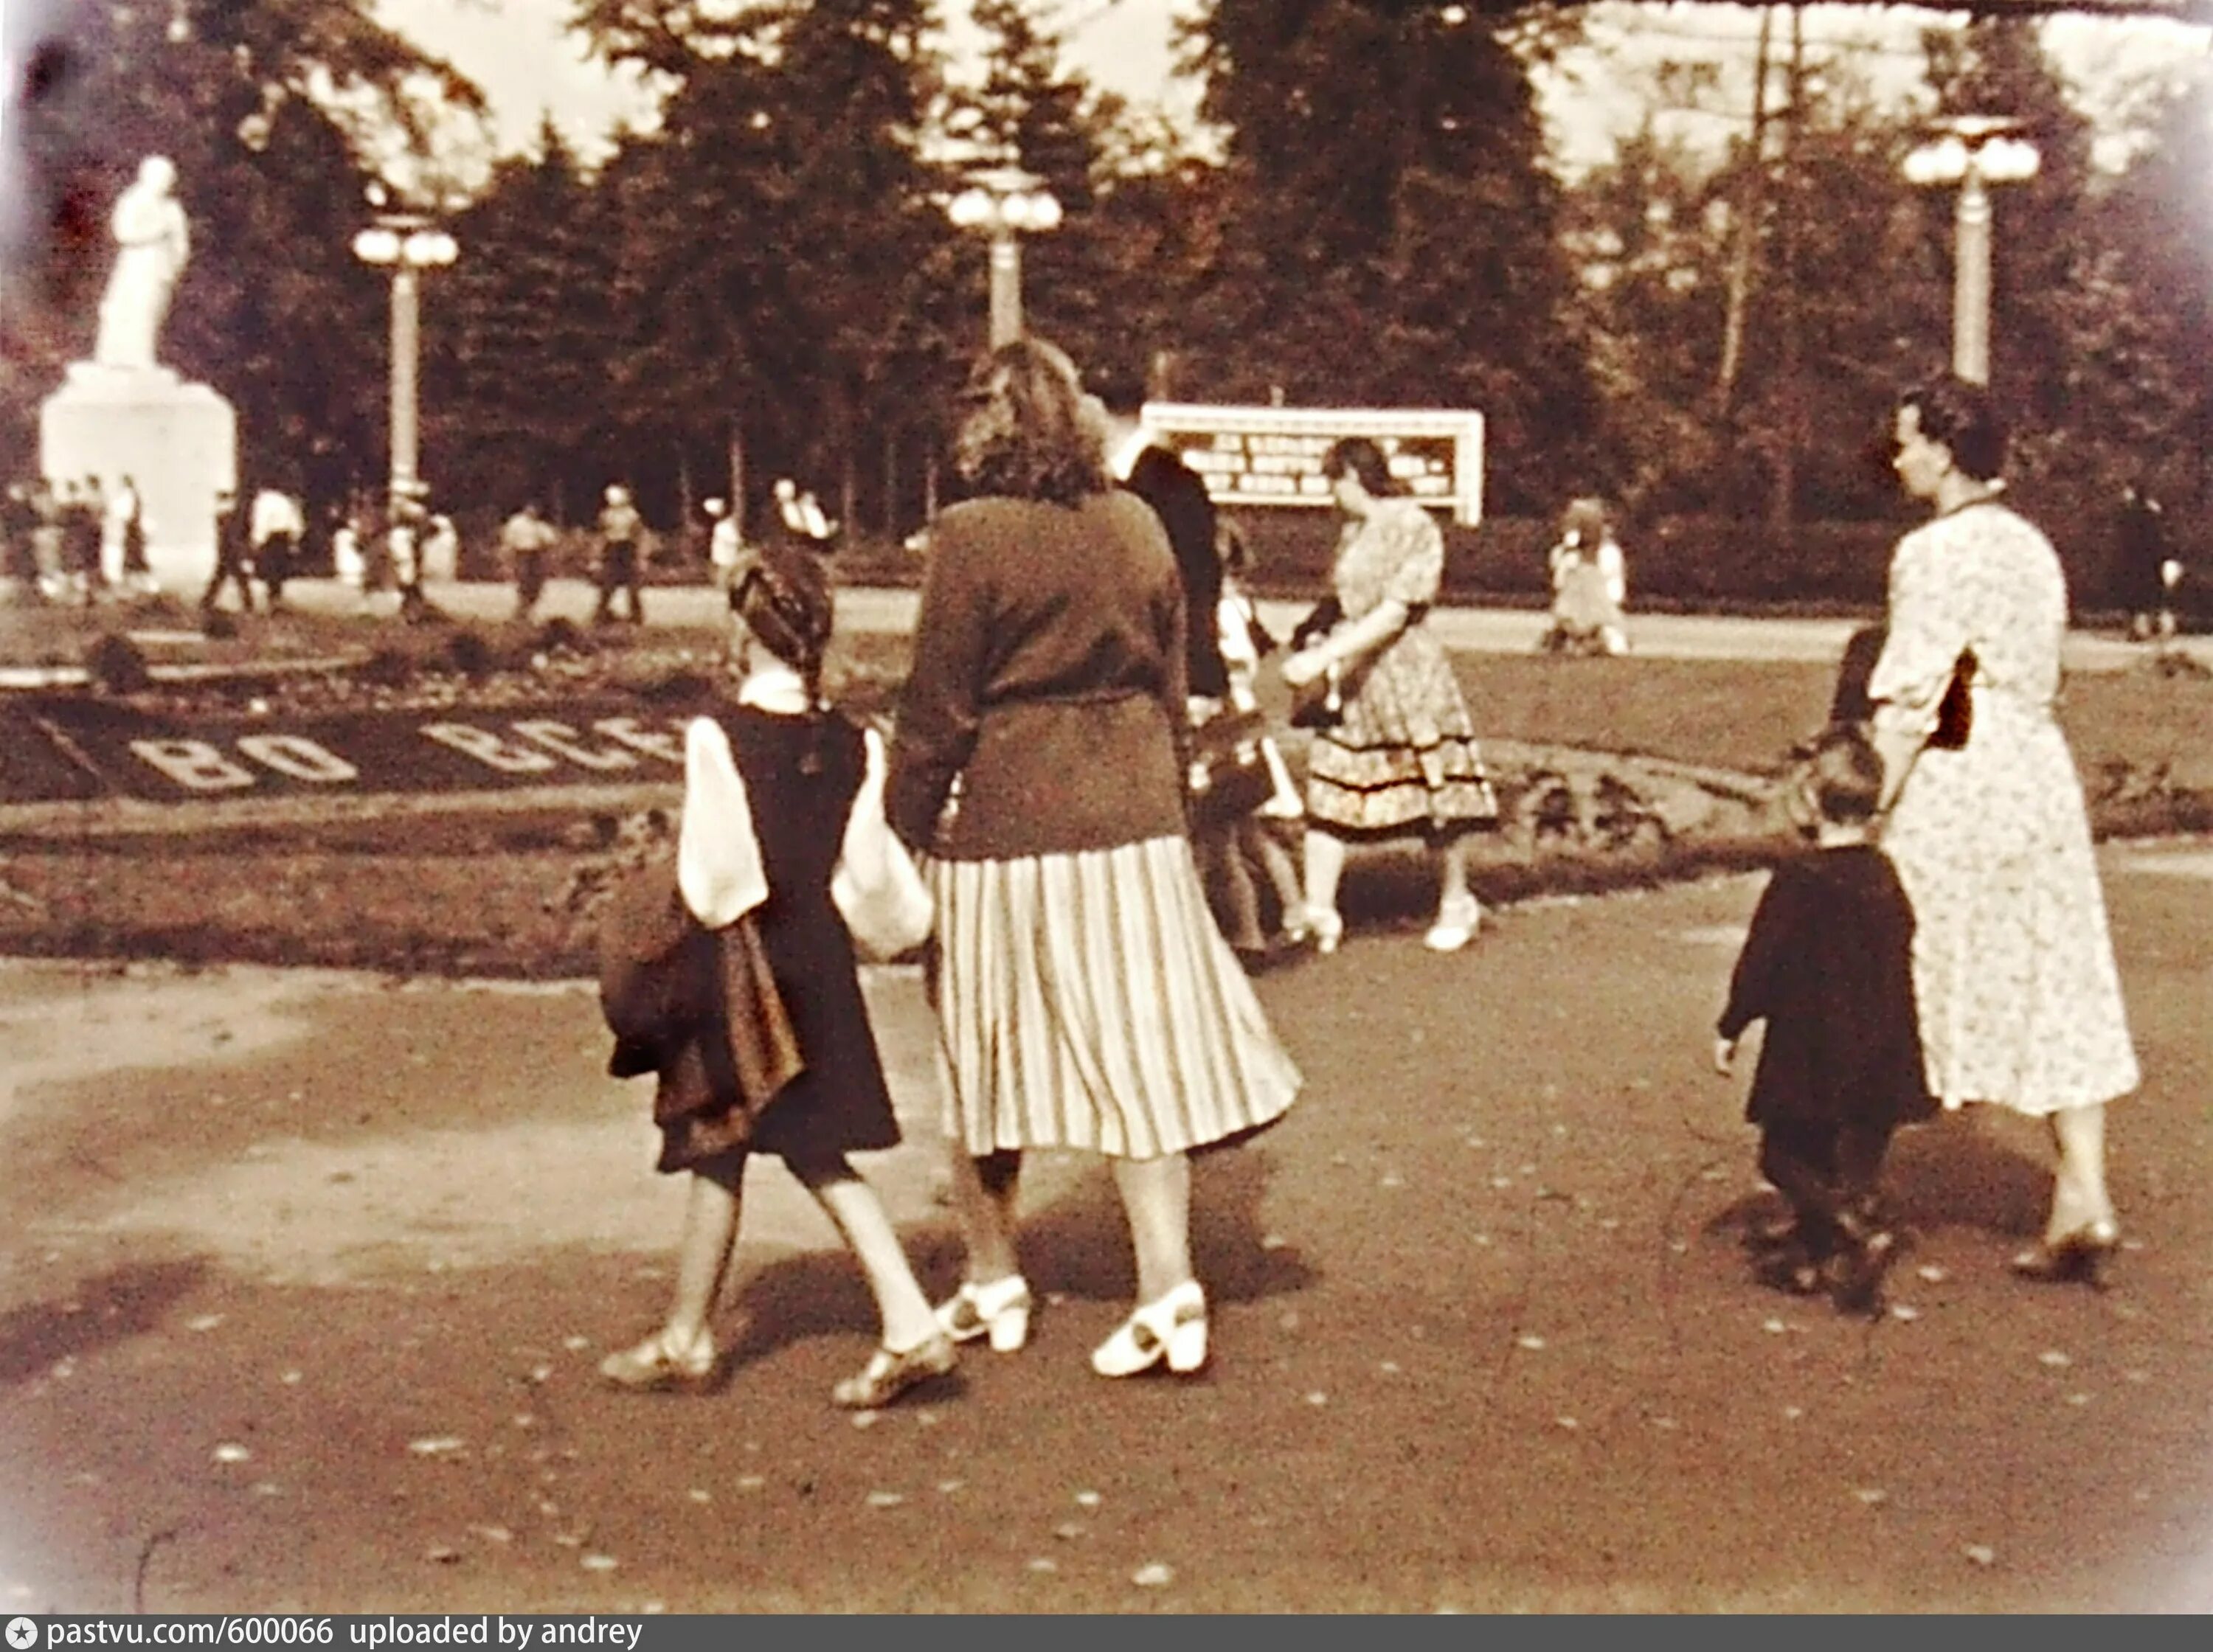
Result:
x=1966 y=419
x=1029 y=431
x=1357 y=456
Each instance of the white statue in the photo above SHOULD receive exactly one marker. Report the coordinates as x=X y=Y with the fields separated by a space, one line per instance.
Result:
x=151 y=245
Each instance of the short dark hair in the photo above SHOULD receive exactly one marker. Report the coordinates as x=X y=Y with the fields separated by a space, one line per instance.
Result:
x=1119 y=387
x=1966 y=419
x=1027 y=432
x=1843 y=774
x=1356 y=455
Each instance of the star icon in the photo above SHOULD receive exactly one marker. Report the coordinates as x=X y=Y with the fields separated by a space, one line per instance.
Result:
x=22 y=1634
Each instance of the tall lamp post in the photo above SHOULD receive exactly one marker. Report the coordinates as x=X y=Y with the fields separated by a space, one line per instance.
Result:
x=407 y=243
x=1006 y=203
x=1972 y=151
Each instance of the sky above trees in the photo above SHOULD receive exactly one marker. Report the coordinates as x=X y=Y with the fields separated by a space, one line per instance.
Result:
x=1604 y=90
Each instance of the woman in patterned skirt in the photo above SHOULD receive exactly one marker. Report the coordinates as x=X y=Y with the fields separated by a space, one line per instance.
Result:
x=1403 y=759
x=2013 y=966
x=1084 y=997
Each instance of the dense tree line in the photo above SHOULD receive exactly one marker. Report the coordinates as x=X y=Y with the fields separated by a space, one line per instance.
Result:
x=768 y=285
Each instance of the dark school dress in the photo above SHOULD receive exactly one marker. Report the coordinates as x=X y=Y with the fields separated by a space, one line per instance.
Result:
x=1829 y=966
x=838 y=1103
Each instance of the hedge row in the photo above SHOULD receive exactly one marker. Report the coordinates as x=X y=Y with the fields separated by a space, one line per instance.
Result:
x=1690 y=563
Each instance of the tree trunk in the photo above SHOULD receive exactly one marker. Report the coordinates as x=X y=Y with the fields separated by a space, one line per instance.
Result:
x=890 y=519
x=738 y=478
x=929 y=490
x=1751 y=207
x=1790 y=402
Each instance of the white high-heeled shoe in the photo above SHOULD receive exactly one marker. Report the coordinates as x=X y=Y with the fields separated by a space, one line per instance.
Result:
x=1000 y=1310
x=1173 y=1328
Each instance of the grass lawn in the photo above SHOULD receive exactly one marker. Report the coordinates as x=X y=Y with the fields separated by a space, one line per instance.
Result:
x=1742 y=715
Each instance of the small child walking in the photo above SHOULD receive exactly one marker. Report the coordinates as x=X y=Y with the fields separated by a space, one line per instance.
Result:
x=1828 y=966
x=782 y=811
x=1258 y=839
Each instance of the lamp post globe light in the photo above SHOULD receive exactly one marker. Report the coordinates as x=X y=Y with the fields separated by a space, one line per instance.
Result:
x=1970 y=151
x=1005 y=203
x=407 y=243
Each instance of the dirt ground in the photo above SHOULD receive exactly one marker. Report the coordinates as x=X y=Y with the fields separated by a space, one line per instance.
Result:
x=306 y=1275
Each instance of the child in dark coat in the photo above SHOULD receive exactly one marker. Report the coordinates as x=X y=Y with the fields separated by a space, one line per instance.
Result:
x=1828 y=965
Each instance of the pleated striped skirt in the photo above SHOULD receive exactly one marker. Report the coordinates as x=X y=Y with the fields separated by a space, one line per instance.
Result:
x=1087 y=1001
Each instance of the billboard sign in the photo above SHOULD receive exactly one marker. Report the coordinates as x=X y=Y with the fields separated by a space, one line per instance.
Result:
x=1272 y=455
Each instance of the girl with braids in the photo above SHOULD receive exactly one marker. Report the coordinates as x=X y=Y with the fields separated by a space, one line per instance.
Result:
x=780 y=792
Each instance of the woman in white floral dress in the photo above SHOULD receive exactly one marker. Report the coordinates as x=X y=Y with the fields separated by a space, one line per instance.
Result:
x=2014 y=973
x=1403 y=757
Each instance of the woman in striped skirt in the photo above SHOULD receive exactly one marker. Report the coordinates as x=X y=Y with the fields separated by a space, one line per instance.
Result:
x=1084 y=997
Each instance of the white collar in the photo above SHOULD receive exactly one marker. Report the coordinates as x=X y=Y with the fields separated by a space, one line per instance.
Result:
x=1125 y=457
x=774 y=686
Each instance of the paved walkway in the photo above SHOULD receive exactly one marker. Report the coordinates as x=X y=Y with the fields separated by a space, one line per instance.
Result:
x=1490 y=630
x=306 y=1275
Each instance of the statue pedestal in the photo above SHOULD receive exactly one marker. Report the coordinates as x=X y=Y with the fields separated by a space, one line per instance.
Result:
x=177 y=444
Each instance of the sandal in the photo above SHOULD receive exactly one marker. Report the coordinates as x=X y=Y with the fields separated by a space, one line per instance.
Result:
x=1000 y=1310
x=654 y=1365
x=890 y=1373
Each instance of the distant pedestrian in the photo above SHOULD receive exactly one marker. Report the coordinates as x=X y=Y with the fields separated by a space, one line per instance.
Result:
x=129 y=507
x=621 y=531
x=1590 y=582
x=349 y=562
x=82 y=510
x=277 y=529
x=2149 y=571
x=402 y=542
x=1828 y=965
x=725 y=549
x=234 y=555
x=526 y=543
x=19 y=521
x=52 y=582
x=800 y=517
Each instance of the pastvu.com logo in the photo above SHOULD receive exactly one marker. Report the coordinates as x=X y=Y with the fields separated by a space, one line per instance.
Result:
x=22 y=1634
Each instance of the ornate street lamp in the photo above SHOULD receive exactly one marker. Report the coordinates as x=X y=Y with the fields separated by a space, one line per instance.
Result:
x=407 y=243
x=1006 y=203
x=1970 y=151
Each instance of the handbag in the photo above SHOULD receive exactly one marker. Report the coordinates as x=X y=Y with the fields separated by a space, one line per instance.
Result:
x=1955 y=712
x=1229 y=773
x=1319 y=703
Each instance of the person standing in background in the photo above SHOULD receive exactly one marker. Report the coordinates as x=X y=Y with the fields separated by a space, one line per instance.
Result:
x=234 y=555
x=2148 y=570
x=277 y=528
x=725 y=549
x=620 y=530
x=131 y=509
x=348 y=563
x=526 y=541
x=1178 y=497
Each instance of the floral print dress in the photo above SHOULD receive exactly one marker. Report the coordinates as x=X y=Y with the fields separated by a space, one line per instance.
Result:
x=1405 y=755
x=2013 y=965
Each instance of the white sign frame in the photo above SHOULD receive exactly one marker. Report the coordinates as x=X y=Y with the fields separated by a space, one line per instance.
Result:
x=1306 y=432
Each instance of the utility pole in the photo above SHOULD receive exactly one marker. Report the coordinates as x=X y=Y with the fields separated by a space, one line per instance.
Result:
x=1751 y=207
